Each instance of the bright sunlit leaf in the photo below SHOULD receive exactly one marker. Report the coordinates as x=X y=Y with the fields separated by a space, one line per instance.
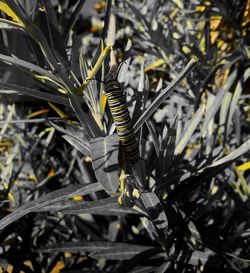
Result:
x=103 y=102
x=37 y=113
x=57 y=110
x=154 y=65
x=8 y=11
x=78 y=198
x=244 y=167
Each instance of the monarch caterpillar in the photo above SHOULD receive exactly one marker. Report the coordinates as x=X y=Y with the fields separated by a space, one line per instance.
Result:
x=119 y=111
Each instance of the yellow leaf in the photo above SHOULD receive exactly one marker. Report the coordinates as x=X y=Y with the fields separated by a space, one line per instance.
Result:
x=154 y=65
x=58 y=267
x=87 y=159
x=5 y=143
x=120 y=202
x=176 y=35
x=246 y=16
x=189 y=24
x=51 y=173
x=37 y=113
x=45 y=78
x=33 y=178
x=173 y=13
x=214 y=190
x=96 y=28
x=220 y=43
x=67 y=255
x=28 y=263
x=200 y=8
x=244 y=167
x=7 y=10
x=103 y=102
x=136 y=193
x=186 y=49
x=10 y=268
x=47 y=130
x=140 y=59
x=202 y=45
x=57 y=110
x=179 y=3
x=165 y=196
x=11 y=197
x=118 y=226
x=100 y=5
x=213 y=36
x=78 y=198
x=42 y=9
x=215 y=22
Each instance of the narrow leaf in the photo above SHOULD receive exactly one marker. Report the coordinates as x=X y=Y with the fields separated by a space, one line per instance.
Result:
x=104 y=153
x=119 y=253
x=29 y=67
x=75 y=247
x=80 y=145
x=155 y=210
x=48 y=199
x=219 y=98
x=108 y=206
x=237 y=93
x=190 y=128
x=244 y=148
x=164 y=94
x=35 y=93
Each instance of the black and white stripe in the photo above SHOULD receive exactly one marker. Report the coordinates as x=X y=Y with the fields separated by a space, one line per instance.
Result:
x=119 y=110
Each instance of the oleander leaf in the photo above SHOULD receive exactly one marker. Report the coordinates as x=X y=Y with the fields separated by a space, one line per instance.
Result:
x=104 y=154
x=48 y=199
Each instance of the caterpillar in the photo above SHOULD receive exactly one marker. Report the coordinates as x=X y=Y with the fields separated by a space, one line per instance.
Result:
x=119 y=111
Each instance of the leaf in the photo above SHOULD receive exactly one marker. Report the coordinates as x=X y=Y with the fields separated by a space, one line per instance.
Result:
x=19 y=12
x=153 y=133
x=107 y=206
x=164 y=94
x=72 y=129
x=48 y=23
x=74 y=135
x=73 y=18
x=27 y=66
x=141 y=95
x=48 y=199
x=119 y=253
x=110 y=40
x=206 y=173
x=224 y=111
x=104 y=154
x=138 y=259
x=58 y=111
x=35 y=93
x=190 y=128
x=104 y=32
x=217 y=243
x=80 y=145
x=88 y=271
x=143 y=269
x=171 y=145
x=219 y=98
x=85 y=117
x=7 y=10
x=244 y=167
x=236 y=95
x=97 y=249
x=155 y=210
x=228 y=159
x=7 y=24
